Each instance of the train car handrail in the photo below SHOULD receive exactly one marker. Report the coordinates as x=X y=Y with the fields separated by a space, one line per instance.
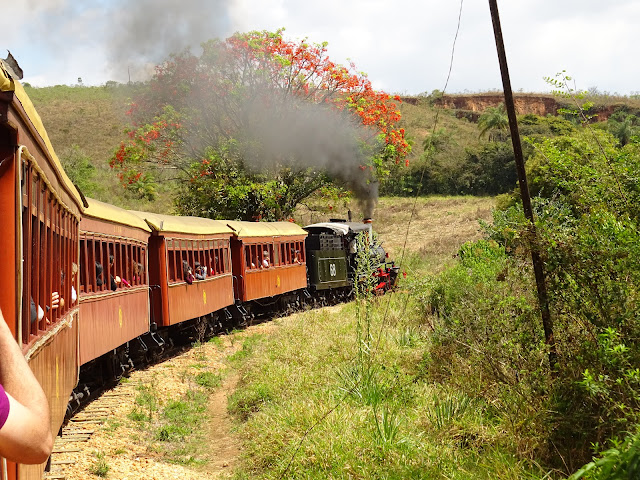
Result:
x=235 y=284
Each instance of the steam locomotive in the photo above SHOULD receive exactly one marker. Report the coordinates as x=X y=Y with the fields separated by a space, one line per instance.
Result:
x=133 y=283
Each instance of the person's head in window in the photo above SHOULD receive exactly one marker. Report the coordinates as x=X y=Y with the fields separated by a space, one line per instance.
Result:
x=138 y=271
x=200 y=272
x=99 y=269
x=74 y=272
x=187 y=272
x=114 y=280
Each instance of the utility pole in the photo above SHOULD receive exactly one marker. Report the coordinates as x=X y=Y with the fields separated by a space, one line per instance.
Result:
x=538 y=267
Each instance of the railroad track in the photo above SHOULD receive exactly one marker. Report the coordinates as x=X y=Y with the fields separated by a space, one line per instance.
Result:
x=101 y=429
x=79 y=428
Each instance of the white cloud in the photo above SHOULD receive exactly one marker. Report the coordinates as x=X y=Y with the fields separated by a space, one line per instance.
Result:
x=404 y=46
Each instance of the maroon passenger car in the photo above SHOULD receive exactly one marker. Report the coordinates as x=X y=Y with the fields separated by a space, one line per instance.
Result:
x=40 y=210
x=269 y=263
x=177 y=242
x=111 y=317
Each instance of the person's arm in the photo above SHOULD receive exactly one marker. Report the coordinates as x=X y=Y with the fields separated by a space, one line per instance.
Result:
x=26 y=435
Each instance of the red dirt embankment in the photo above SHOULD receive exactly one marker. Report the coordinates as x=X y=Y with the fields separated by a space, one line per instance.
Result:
x=526 y=103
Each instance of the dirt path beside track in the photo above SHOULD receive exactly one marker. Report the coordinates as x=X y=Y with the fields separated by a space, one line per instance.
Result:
x=103 y=441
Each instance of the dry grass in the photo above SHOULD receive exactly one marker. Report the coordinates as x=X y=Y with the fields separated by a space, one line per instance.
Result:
x=433 y=228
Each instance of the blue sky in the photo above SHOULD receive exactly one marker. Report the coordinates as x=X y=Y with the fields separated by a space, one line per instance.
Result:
x=404 y=46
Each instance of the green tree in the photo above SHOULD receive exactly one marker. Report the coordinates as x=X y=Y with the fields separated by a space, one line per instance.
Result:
x=228 y=190
x=287 y=110
x=494 y=121
x=623 y=126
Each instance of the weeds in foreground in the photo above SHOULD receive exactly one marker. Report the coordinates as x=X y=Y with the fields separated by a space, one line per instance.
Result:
x=99 y=468
x=387 y=426
x=445 y=410
x=349 y=420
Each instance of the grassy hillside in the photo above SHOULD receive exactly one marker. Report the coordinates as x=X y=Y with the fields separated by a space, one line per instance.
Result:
x=420 y=119
x=93 y=119
x=89 y=122
x=90 y=117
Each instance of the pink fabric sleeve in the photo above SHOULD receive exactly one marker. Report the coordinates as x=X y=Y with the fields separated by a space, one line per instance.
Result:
x=4 y=406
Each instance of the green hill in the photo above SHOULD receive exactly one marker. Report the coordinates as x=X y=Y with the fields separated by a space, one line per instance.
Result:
x=86 y=125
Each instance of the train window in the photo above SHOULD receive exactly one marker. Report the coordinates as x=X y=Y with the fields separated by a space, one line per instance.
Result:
x=133 y=264
x=208 y=256
x=247 y=256
x=112 y=257
x=216 y=265
x=138 y=269
x=200 y=253
x=299 y=253
x=259 y=256
x=189 y=253
x=143 y=266
x=255 y=261
x=95 y=270
x=184 y=255
x=171 y=260
x=102 y=265
x=90 y=265
x=83 y=266
x=49 y=253
x=174 y=264
x=215 y=259
x=179 y=259
x=128 y=259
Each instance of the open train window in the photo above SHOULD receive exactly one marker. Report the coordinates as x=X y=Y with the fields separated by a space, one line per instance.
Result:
x=171 y=261
x=95 y=271
x=49 y=233
x=247 y=256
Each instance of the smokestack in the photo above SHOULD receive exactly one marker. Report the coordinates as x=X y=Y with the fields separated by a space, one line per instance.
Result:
x=368 y=221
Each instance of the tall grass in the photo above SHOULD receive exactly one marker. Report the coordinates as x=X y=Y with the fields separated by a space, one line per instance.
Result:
x=308 y=408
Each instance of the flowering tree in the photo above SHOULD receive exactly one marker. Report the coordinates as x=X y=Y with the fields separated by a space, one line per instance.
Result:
x=256 y=109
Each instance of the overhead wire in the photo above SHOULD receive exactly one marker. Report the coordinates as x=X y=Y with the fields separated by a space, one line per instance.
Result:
x=422 y=172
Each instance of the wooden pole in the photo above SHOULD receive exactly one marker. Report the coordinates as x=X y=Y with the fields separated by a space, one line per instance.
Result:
x=538 y=266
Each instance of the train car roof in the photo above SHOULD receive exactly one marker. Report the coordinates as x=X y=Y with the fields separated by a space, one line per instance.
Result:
x=104 y=211
x=182 y=224
x=264 y=229
x=9 y=84
x=340 y=228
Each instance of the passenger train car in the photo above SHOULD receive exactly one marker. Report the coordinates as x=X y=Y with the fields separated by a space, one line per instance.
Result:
x=91 y=290
x=40 y=211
